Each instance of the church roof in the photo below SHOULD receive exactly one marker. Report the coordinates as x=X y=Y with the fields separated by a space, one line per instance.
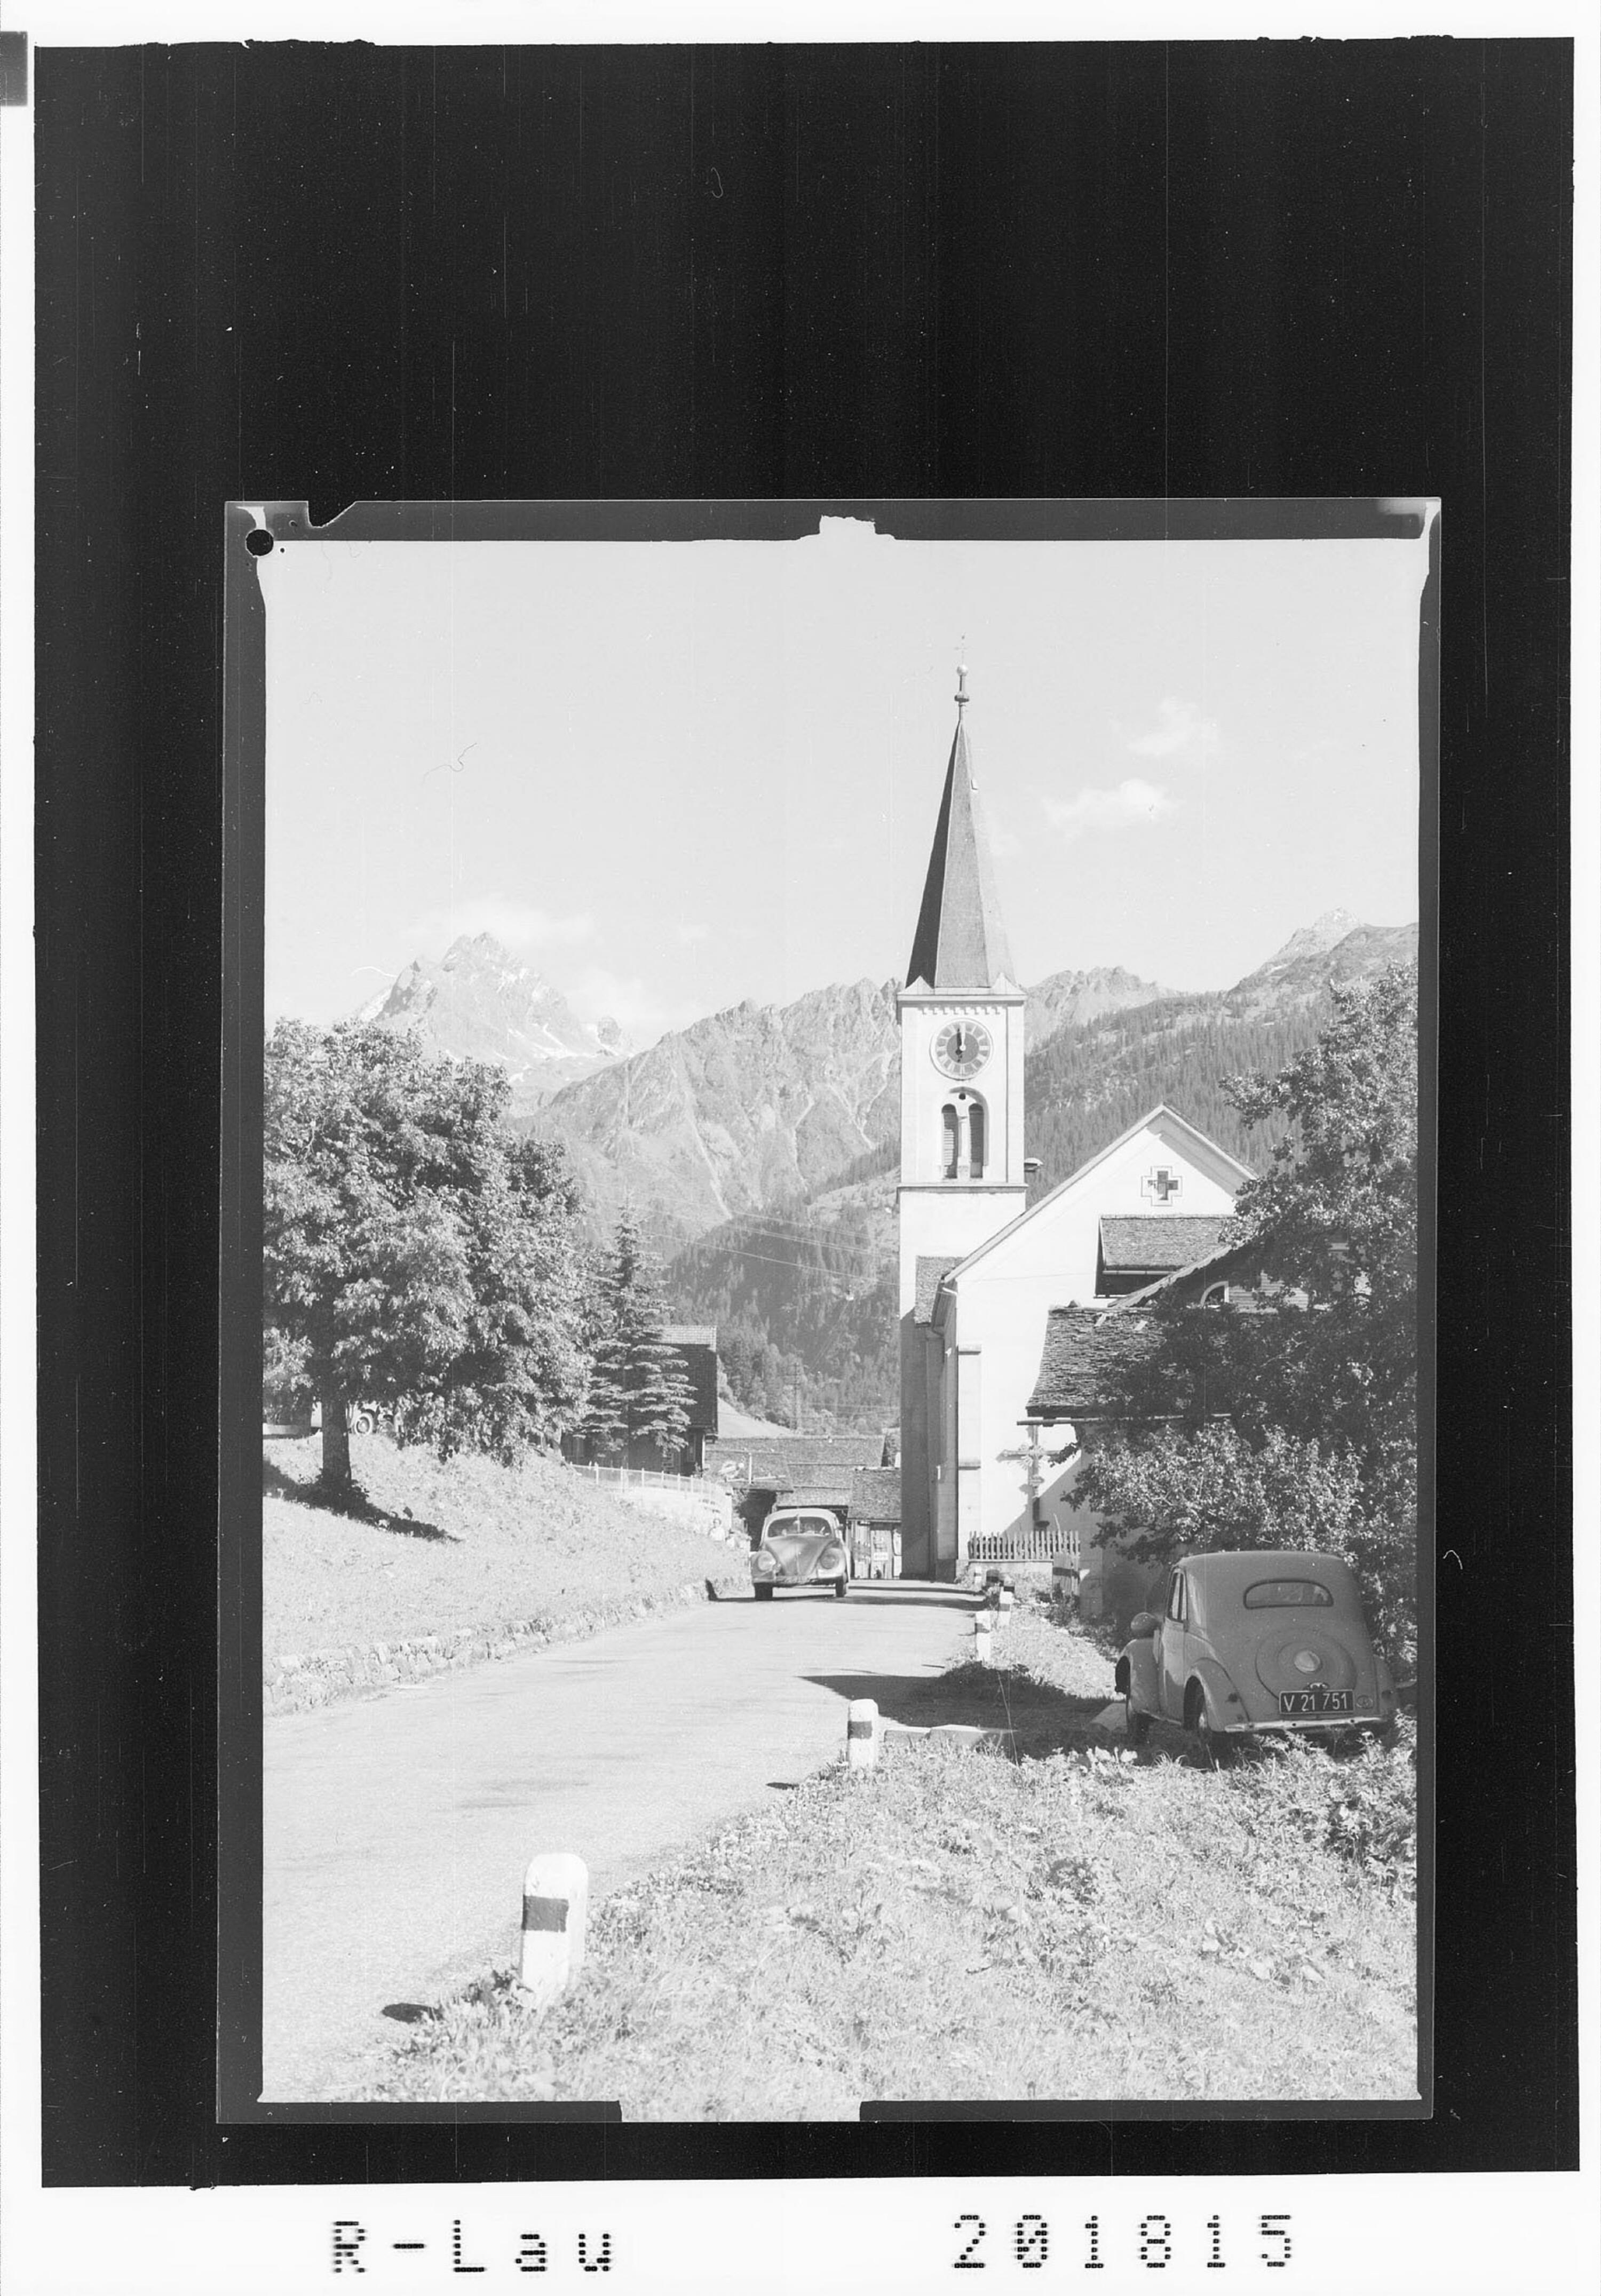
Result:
x=1162 y=1119
x=932 y=1269
x=1087 y=1357
x=1149 y=1243
x=960 y=942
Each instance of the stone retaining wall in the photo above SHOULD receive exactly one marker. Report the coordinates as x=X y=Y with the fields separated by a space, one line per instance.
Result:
x=294 y=1684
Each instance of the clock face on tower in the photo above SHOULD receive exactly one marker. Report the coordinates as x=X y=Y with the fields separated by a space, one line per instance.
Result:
x=960 y=1048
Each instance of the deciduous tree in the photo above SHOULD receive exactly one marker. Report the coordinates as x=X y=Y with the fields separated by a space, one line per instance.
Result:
x=1317 y=1395
x=416 y=1255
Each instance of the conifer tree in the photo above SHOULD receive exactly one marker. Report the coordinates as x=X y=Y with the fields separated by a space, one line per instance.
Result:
x=638 y=1390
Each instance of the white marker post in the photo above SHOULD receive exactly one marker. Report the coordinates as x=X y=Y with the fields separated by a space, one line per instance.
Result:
x=983 y=1642
x=1004 y=1606
x=555 y=1905
x=861 y=1733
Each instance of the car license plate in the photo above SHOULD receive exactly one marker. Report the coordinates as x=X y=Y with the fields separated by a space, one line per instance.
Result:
x=1317 y=1701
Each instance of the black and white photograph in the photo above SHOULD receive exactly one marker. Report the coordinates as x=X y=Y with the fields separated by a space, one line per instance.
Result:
x=839 y=1296
x=800 y=976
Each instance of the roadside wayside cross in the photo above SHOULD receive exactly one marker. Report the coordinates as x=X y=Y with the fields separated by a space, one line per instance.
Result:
x=1033 y=1462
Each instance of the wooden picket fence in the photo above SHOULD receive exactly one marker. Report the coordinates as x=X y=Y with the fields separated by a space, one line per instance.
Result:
x=646 y=1478
x=1042 y=1543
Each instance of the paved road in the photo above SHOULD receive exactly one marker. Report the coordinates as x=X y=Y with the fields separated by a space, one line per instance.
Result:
x=396 y=1829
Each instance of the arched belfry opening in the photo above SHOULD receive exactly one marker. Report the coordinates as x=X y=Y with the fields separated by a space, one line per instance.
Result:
x=964 y=1138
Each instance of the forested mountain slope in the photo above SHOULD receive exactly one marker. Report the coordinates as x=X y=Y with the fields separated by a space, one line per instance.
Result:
x=804 y=1296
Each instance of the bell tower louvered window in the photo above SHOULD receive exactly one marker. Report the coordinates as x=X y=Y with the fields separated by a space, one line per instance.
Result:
x=977 y=1144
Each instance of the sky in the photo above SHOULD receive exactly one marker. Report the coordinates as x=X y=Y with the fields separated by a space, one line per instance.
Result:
x=672 y=776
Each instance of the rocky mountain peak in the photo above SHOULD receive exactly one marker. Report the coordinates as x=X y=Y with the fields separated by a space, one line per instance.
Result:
x=1325 y=932
x=480 y=1003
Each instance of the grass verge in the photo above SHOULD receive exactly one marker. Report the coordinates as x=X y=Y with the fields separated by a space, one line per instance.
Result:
x=461 y=1548
x=1077 y=1924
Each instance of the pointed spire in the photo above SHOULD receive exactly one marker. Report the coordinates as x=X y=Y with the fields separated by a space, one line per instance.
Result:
x=960 y=942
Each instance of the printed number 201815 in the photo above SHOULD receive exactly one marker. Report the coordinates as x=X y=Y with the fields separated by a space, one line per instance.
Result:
x=1153 y=2239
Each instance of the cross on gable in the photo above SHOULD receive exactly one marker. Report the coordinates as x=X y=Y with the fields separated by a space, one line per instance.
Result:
x=1160 y=1183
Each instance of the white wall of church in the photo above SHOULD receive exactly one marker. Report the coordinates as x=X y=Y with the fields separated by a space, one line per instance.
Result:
x=948 y=1223
x=1049 y=1262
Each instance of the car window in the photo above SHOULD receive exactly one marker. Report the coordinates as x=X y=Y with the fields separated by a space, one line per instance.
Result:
x=1176 y=1597
x=1287 y=1594
x=801 y=1526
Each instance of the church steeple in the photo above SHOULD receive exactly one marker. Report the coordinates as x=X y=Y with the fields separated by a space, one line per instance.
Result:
x=960 y=943
x=962 y=1176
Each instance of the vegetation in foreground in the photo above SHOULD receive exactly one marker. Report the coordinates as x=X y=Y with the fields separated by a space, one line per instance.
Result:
x=438 y=1544
x=1077 y=1924
x=1319 y=1447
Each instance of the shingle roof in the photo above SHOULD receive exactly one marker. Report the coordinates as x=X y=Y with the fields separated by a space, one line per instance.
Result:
x=931 y=1268
x=876 y=1494
x=1154 y=1242
x=1087 y=1354
x=960 y=941
x=1183 y=1285
x=691 y=1335
x=812 y=1467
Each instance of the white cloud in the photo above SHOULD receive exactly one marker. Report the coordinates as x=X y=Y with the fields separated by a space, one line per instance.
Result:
x=515 y=925
x=1181 y=734
x=689 y=933
x=1001 y=837
x=1128 y=806
x=639 y=1011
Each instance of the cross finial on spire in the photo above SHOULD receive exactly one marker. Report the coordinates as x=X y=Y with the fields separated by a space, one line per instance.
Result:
x=961 y=696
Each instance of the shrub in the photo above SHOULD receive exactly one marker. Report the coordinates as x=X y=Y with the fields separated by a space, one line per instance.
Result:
x=1363 y=1806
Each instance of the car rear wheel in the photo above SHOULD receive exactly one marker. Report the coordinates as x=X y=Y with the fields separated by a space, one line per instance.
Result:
x=1204 y=1737
x=762 y=1593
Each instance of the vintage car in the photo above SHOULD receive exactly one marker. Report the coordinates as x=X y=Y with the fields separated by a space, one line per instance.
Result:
x=1271 y=1641
x=800 y=1546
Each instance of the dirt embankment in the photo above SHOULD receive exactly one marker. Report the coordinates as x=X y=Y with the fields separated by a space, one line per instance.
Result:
x=449 y=1563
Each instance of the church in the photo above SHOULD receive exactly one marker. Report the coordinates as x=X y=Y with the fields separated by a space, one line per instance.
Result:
x=1006 y=1309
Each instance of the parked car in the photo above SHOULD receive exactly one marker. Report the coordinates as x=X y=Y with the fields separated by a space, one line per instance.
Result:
x=800 y=1546
x=1271 y=1641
